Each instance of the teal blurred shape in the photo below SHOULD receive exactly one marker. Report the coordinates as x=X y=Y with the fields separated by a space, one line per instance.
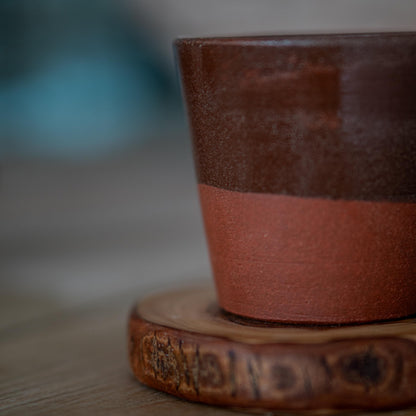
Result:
x=83 y=88
x=79 y=107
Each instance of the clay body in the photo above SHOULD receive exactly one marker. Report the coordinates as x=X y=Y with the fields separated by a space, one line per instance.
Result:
x=305 y=151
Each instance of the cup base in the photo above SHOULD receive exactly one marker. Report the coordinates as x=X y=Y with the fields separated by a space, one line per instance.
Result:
x=311 y=260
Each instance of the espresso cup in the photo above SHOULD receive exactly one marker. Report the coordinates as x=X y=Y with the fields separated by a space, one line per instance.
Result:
x=305 y=153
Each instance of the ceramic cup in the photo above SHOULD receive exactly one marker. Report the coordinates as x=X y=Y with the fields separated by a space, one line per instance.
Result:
x=305 y=152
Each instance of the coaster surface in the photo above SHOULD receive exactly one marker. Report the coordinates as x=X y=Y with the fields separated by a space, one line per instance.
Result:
x=183 y=344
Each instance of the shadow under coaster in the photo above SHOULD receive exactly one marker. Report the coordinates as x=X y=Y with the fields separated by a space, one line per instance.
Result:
x=181 y=343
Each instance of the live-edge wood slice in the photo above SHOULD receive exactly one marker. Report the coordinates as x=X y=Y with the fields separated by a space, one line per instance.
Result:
x=181 y=343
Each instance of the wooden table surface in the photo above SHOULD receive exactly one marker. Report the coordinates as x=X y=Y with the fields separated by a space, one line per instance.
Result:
x=78 y=244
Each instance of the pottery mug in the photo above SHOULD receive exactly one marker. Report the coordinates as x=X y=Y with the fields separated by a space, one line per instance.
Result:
x=305 y=152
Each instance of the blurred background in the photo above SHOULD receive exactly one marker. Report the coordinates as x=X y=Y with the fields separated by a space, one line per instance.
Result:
x=97 y=189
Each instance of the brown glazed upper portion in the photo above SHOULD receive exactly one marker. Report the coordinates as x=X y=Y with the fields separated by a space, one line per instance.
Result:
x=317 y=116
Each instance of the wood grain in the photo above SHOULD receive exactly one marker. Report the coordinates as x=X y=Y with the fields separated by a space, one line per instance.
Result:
x=180 y=343
x=74 y=362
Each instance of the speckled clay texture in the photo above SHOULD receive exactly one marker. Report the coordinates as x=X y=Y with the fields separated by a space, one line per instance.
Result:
x=305 y=150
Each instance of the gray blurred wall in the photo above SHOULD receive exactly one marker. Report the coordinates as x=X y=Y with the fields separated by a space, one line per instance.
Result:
x=167 y=19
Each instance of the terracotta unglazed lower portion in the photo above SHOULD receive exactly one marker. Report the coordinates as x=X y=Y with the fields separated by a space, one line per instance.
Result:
x=311 y=260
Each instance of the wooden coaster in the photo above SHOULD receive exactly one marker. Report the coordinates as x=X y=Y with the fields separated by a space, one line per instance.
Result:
x=183 y=344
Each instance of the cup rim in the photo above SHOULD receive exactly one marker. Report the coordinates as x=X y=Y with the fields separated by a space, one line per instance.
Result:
x=282 y=39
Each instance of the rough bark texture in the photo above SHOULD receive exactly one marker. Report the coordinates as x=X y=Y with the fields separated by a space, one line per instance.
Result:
x=375 y=372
